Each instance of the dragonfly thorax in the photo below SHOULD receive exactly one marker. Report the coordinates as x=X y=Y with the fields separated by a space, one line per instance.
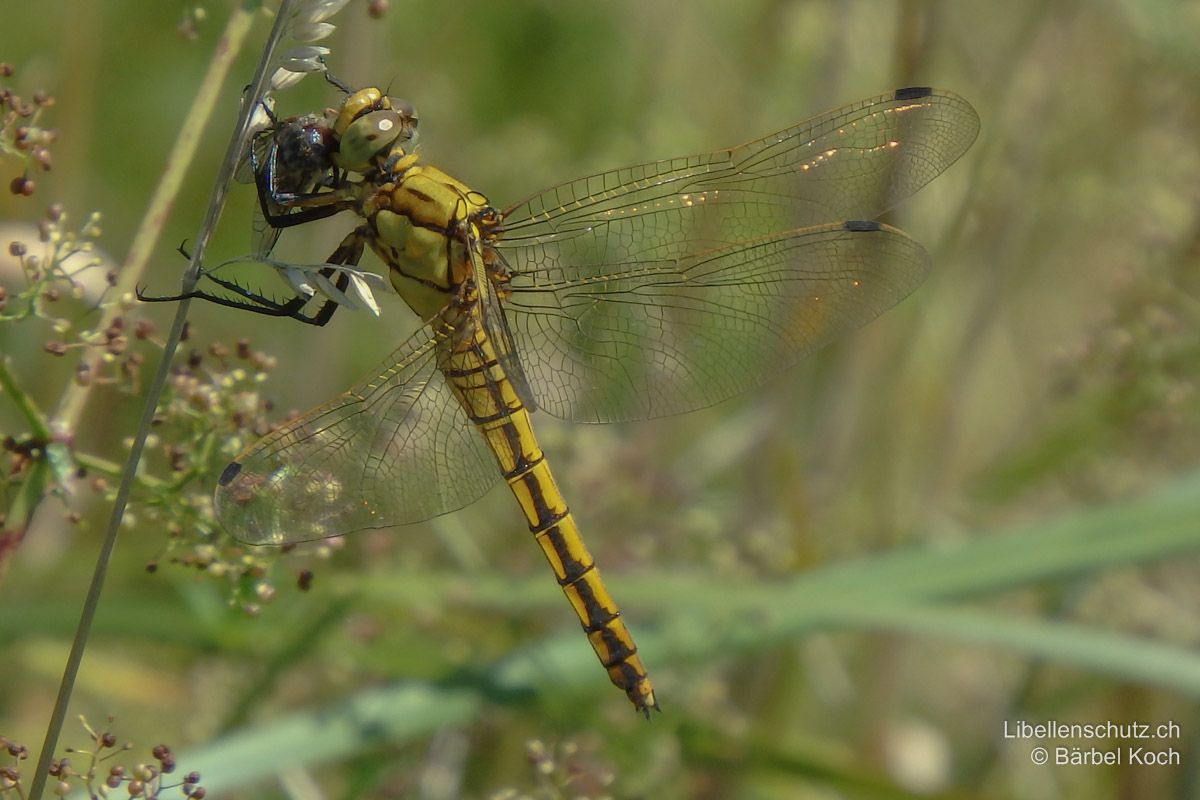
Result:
x=422 y=225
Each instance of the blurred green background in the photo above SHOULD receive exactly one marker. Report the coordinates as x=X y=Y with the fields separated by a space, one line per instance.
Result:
x=979 y=509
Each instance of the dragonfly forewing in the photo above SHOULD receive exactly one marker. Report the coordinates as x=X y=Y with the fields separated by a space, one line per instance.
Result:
x=669 y=286
x=851 y=163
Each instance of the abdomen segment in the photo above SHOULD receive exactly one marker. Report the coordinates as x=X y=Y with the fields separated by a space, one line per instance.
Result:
x=493 y=406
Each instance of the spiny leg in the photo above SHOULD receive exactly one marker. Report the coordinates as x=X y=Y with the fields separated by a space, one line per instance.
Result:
x=347 y=253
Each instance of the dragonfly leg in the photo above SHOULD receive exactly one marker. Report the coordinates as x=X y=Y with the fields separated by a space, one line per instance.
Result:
x=299 y=208
x=347 y=253
x=253 y=301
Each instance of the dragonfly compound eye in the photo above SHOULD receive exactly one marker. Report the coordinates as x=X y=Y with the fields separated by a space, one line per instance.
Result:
x=405 y=109
x=356 y=105
x=369 y=136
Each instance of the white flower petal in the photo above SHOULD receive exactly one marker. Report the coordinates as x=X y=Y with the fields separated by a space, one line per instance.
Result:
x=283 y=78
x=304 y=59
x=260 y=120
x=312 y=31
x=297 y=279
x=306 y=51
x=319 y=10
x=332 y=292
x=359 y=289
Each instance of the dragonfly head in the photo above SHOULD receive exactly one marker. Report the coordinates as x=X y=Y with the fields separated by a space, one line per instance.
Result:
x=370 y=125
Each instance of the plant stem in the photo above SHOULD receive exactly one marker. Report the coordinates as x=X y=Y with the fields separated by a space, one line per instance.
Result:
x=33 y=484
x=33 y=418
x=231 y=41
x=182 y=154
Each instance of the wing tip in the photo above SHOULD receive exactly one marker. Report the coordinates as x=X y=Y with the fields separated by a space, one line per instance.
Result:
x=913 y=92
x=231 y=471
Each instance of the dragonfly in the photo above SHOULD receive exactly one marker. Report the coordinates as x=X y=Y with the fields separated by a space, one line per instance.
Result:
x=630 y=294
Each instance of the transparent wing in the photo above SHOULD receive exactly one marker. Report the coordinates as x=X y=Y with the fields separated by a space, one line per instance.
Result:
x=669 y=286
x=653 y=338
x=254 y=153
x=392 y=450
x=263 y=237
x=258 y=152
x=851 y=163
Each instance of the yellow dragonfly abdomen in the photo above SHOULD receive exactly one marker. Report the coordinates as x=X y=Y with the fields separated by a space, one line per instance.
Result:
x=490 y=401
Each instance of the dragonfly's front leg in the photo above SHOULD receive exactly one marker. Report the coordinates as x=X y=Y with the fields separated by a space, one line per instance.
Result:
x=347 y=253
x=301 y=207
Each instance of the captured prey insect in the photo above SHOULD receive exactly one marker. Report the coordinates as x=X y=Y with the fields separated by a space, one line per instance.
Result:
x=634 y=293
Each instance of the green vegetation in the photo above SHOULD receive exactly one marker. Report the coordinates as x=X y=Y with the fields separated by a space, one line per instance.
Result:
x=979 y=510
